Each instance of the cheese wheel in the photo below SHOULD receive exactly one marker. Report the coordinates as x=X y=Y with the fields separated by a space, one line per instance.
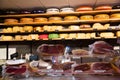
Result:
x=67 y=9
x=10 y=21
x=86 y=17
x=107 y=34
x=18 y=37
x=70 y=18
x=21 y=29
x=64 y=35
x=101 y=16
x=40 y=19
x=8 y=30
x=52 y=10
x=47 y=28
x=72 y=35
x=53 y=36
x=6 y=37
x=54 y=19
x=26 y=20
x=115 y=16
x=85 y=26
x=84 y=8
x=34 y=36
x=16 y=29
x=104 y=7
x=4 y=30
x=88 y=35
x=53 y=28
x=26 y=37
x=118 y=33
x=38 y=28
x=74 y=27
x=59 y=27
x=28 y=28
x=43 y=36
x=98 y=26
x=81 y=35
x=93 y=35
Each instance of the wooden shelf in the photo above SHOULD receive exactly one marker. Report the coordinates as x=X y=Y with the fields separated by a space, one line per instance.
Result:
x=62 y=13
x=87 y=30
x=58 y=39
x=62 y=22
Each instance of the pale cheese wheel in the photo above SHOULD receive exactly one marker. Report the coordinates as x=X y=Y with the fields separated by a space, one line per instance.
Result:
x=72 y=35
x=64 y=35
x=28 y=28
x=6 y=38
x=107 y=34
x=80 y=35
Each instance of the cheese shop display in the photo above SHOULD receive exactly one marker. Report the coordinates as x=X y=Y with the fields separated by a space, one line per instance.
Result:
x=62 y=41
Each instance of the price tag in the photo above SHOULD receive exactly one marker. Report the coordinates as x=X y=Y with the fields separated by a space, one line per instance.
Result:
x=95 y=29
x=58 y=71
x=76 y=57
x=56 y=30
x=109 y=29
x=78 y=71
x=118 y=40
x=99 y=71
x=45 y=31
x=116 y=47
x=73 y=38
